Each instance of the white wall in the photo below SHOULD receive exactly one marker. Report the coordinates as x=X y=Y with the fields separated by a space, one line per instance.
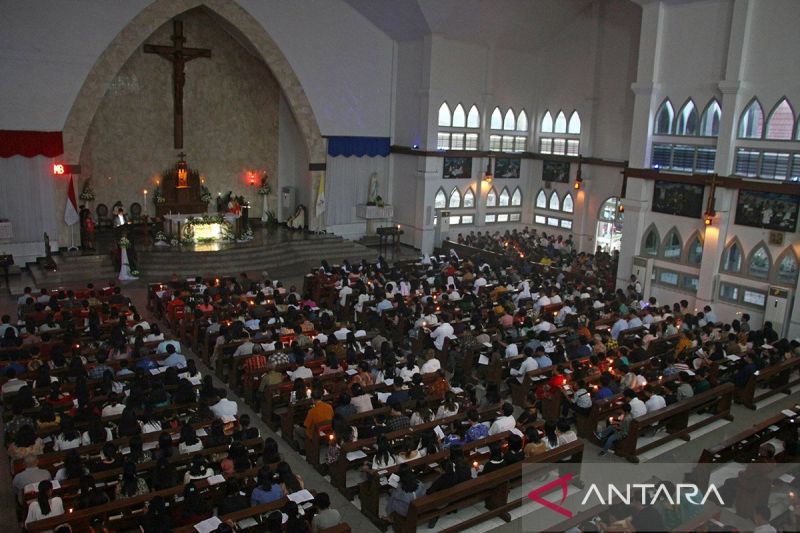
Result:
x=343 y=62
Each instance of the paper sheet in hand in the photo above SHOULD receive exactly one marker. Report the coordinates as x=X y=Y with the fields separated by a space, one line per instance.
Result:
x=353 y=456
x=213 y=480
x=394 y=480
x=383 y=396
x=439 y=432
x=786 y=478
x=483 y=360
x=732 y=357
x=789 y=413
x=301 y=496
x=200 y=432
x=33 y=488
x=208 y=525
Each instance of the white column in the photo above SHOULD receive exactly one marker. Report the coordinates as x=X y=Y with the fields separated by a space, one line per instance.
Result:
x=637 y=206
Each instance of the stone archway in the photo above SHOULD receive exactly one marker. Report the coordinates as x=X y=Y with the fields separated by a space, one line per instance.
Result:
x=143 y=25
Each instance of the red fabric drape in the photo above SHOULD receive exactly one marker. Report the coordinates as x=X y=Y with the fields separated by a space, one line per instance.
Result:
x=31 y=143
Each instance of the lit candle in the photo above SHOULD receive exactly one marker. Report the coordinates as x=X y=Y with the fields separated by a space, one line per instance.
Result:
x=145 y=202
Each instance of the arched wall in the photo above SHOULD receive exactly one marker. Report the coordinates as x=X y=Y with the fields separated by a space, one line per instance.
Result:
x=145 y=23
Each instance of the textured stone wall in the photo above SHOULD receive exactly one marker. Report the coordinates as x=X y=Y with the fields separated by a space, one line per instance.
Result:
x=230 y=119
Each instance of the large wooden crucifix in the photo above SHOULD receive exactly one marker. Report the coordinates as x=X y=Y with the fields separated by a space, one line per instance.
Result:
x=178 y=55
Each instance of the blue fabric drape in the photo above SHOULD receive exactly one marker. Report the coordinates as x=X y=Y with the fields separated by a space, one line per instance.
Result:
x=358 y=146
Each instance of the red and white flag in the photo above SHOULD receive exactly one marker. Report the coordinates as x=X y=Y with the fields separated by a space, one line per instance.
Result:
x=71 y=210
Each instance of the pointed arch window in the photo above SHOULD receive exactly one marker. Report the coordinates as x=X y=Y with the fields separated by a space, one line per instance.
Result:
x=455 y=198
x=459 y=117
x=555 y=202
x=687 y=119
x=473 y=118
x=541 y=200
x=664 y=117
x=787 y=268
x=444 y=115
x=469 y=198
x=516 y=198
x=732 y=258
x=694 y=254
x=759 y=263
x=440 y=200
x=780 y=123
x=496 y=122
x=574 y=126
x=561 y=123
x=709 y=124
x=751 y=123
x=673 y=245
x=522 y=121
x=505 y=198
x=547 y=123
x=509 y=122
x=650 y=242
x=568 y=206
x=491 y=198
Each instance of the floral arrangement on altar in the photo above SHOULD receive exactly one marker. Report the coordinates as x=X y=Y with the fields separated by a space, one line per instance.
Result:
x=265 y=189
x=124 y=242
x=205 y=194
x=161 y=238
x=87 y=193
x=158 y=197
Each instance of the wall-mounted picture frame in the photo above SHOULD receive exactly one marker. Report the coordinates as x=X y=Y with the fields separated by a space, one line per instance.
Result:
x=769 y=210
x=682 y=199
x=507 y=168
x=457 y=168
x=557 y=171
x=776 y=238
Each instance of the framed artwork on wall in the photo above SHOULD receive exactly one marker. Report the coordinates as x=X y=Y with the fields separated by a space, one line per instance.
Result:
x=682 y=199
x=770 y=210
x=555 y=171
x=506 y=168
x=457 y=168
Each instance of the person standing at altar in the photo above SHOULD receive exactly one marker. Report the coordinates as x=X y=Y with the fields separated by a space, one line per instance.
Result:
x=87 y=229
x=120 y=218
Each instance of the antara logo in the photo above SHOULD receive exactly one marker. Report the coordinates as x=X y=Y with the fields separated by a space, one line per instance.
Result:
x=644 y=493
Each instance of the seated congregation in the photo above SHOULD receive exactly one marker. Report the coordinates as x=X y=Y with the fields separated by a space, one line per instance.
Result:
x=419 y=388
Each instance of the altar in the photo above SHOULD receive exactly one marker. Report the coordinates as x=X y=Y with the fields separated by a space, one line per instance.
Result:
x=204 y=228
x=180 y=191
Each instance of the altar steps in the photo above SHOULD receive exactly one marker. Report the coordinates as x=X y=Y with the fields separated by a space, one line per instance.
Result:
x=74 y=270
x=279 y=258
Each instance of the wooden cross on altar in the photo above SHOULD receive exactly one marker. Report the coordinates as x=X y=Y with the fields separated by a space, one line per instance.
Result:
x=178 y=56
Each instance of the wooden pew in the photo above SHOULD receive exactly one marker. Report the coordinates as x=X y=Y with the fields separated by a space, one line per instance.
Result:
x=492 y=489
x=132 y=508
x=775 y=378
x=675 y=418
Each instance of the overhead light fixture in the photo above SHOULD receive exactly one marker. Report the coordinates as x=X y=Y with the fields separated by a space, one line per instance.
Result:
x=487 y=176
x=578 y=175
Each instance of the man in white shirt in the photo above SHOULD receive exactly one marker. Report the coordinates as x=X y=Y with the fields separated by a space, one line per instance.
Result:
x=638 y=407
x=341 y=333
x=443 y=331
x=302 y=372
x=31 y=474
x=13 y=384
x=654 y=401
x=619 y=326
x=431 y=365
x=527 y=365
x=634 y=322
x=162 y=346
x=544 y=325
x=512 y=350
x=478 y=283
x=246 y=348
x=224 y=407
x=174 y=358
x=6 y=325
x=506 y=422
x=710 y=315
x=343 y=293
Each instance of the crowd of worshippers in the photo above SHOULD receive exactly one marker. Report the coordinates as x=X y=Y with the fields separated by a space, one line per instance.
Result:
x=105 y=406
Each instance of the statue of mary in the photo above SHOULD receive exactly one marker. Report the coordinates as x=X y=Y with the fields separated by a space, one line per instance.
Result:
x=372 y=194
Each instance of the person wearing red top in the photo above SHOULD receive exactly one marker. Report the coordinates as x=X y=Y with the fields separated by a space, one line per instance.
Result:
x=173 y=307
